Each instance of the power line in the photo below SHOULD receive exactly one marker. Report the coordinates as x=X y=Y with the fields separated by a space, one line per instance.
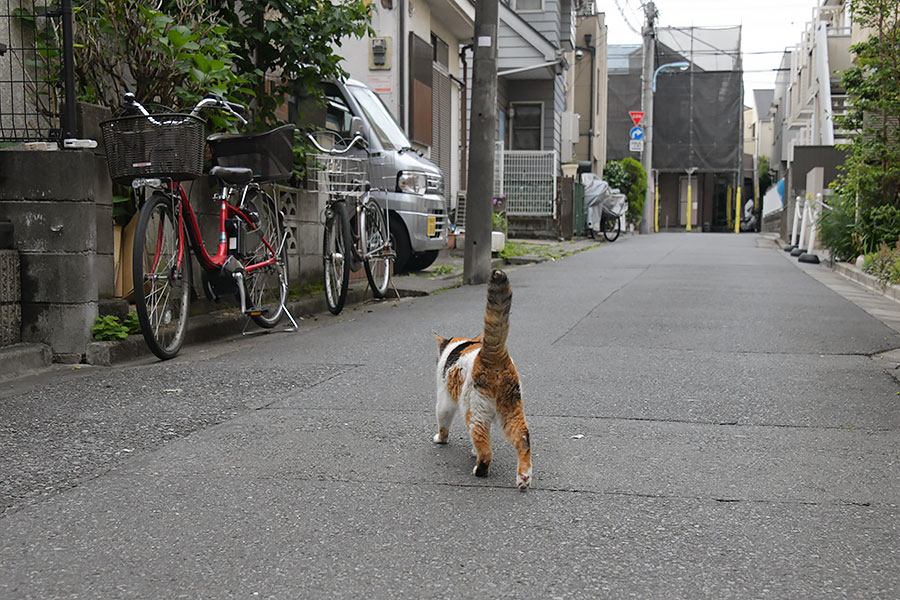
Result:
x=636 y=13
x=625 y=18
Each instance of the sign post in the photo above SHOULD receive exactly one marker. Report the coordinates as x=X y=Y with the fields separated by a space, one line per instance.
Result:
x=636 y=138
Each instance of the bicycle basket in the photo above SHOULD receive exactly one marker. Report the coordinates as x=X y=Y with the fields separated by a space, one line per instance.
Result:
x=167 y=145
x=337 y=176
x=269 y=154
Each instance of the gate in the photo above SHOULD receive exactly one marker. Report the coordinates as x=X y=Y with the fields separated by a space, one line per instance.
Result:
x=527 y=178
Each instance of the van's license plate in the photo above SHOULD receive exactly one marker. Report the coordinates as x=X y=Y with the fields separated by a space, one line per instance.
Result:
x=432 y=226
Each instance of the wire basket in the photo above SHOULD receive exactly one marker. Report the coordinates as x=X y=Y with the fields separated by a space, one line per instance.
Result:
x=337 y=176
x=166 y=145
x=269 y=154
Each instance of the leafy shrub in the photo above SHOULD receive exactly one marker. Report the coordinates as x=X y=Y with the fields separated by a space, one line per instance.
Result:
x=884 y=263
x=637 y=189
x=132 y=324
x=877 y=225
x=108 y=328
x=630 y=178
x=614 y=174
x=835 y=230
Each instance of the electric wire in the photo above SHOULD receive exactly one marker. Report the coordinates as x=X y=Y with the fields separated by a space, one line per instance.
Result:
x=625 y=18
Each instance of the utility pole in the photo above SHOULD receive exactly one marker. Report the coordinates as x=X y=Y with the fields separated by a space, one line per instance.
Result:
x=482 y=137
x=647 y=106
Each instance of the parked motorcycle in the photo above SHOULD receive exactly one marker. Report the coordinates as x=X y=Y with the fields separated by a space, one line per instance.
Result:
x=749 y=221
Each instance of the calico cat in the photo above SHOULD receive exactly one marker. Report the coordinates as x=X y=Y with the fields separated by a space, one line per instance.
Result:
x=478 y=376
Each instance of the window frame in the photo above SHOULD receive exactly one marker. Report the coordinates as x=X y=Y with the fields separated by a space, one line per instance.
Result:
x=512 y=123
x=515 y=7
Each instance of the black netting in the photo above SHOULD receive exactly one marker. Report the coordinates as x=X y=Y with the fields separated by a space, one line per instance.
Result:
x=624 y=95
x=697 y=120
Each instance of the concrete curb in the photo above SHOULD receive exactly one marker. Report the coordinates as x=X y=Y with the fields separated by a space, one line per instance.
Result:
x=852 y=273
x=220 y=324
x=21 y=359
x=870 y=282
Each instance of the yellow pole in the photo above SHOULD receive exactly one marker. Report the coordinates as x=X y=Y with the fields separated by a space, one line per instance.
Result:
x=737 y=211
x=689 y=204
x=728 y=207
x=656 y=213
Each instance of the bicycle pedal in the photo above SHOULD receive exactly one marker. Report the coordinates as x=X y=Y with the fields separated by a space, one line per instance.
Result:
x=255 y=312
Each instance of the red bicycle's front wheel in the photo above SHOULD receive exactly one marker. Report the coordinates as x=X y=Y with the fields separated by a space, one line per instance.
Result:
x=161 y=270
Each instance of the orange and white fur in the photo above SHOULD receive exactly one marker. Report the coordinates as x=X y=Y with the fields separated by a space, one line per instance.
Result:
x=478 y=376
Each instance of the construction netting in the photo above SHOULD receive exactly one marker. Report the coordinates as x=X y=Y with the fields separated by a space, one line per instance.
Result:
x=697 y=111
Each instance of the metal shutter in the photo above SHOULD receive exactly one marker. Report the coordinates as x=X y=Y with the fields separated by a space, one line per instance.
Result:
x=441 y=116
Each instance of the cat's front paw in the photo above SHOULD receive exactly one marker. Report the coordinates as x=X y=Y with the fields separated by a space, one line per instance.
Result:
x=523 y=480
x=440 y=437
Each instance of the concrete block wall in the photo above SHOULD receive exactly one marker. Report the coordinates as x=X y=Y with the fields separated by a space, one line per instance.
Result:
x=533 y=227
x=60 y=204
x=303 y=212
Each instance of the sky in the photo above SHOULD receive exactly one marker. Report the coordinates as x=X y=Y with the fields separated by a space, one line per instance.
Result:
x=768 y=27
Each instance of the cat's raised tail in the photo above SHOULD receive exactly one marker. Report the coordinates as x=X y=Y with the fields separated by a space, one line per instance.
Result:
x=496 y=319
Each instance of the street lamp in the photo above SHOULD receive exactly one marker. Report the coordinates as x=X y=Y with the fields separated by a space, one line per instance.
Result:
x=681 y=66
x=647 y=156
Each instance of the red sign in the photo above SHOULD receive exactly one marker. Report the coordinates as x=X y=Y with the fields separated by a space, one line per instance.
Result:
x=636 y=116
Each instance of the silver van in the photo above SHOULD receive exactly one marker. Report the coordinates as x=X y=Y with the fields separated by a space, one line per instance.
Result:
x=411 y=186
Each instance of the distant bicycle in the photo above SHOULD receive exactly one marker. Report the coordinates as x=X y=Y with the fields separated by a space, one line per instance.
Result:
x=356 y=231
x=610 y=225
x=156 y=152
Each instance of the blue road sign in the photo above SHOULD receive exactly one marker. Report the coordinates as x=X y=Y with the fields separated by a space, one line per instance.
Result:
x=636 y=133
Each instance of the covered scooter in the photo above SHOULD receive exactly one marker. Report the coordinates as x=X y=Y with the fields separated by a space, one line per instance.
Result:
x=603 y=207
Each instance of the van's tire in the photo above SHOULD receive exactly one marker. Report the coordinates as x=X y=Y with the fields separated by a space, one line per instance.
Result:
x=400 y=243
x=421 y=260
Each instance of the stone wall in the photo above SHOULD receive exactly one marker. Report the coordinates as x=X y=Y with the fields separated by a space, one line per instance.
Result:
x=10 y=299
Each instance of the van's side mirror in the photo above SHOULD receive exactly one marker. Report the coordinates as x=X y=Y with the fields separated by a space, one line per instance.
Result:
x=356 y=126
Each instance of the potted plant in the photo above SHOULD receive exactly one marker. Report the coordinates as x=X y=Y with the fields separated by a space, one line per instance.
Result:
x=499 y=224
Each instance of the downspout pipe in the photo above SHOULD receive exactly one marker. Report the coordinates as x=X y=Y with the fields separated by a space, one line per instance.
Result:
x=401 y=53
x=463 y=112
x=591 y=108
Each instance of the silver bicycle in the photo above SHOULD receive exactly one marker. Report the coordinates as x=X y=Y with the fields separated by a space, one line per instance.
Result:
x=356 y=232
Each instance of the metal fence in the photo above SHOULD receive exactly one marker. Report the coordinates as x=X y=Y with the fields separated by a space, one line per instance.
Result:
x=527 y=180
x=36 y=70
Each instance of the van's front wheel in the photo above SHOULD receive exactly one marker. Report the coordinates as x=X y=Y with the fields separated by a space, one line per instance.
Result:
x=400 y=243
x=421 y=260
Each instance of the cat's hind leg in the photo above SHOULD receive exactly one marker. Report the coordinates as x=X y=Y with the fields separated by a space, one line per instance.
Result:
x=480 y=431
x=516 y=430
x=446 y=410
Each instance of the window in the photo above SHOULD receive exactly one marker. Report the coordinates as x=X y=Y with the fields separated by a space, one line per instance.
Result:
x=421 y=59
x=526 y=128
x=385 y=128
x=528 y=5
x=441 y=51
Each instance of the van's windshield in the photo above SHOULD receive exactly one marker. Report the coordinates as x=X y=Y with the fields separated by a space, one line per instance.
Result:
x=383 y=124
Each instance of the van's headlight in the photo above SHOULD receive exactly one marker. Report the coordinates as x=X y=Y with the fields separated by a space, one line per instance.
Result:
x=411 y=182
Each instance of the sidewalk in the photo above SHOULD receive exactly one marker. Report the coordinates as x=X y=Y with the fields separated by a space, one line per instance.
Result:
x=446 y=272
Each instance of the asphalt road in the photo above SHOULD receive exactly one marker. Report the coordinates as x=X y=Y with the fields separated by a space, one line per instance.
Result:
x=709 y=420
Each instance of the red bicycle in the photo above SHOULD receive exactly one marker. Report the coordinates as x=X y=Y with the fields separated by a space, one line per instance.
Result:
x=154 y=153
